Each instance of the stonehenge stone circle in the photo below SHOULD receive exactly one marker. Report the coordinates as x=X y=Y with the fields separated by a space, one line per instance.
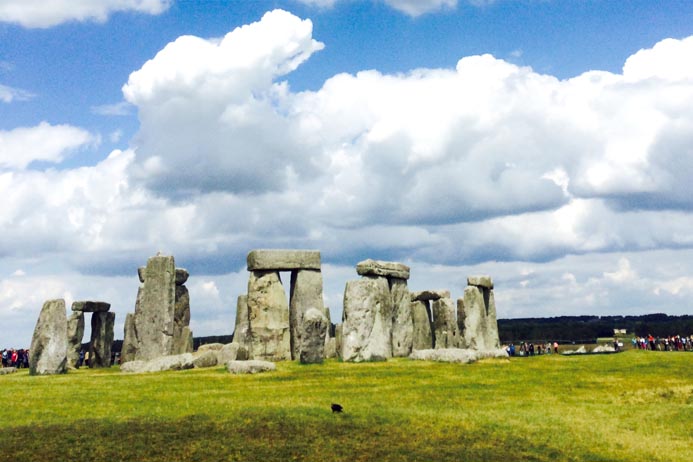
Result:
x=160 y=325
x=75 y=333
x=476 y=315
x=48 y=351
x=314 y=326
x=272 y=328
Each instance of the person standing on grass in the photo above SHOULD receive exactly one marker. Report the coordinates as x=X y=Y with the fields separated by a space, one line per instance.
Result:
x=555 y=347
x=651 y=340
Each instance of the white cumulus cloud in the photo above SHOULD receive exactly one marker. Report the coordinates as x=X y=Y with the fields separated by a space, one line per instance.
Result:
x=48 y=13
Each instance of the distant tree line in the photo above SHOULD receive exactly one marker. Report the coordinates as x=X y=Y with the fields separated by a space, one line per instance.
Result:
x=586 y=329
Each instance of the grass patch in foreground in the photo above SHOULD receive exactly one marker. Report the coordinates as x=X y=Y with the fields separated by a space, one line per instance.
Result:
x=630 y=406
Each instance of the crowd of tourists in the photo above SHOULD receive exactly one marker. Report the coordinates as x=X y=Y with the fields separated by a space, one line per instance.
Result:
x=15 y=358
x=672 y=343
x=530 y=349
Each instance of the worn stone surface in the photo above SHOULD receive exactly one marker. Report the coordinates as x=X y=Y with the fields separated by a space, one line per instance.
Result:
x=140 y=272
x=445 y=331
x=75 y=333
x=181 y=321
x=338 y=339
x=268 y=317
x=7 y=370
x=240 y=331
x=283 y=260
x=457 y=355
x=182 y=276
x=330 y=347
x=477 y=319
x=314 y=327
x=129 y=349
x=252 y=366
x=231 y=352
x=382 y=268
x=154 y=320
x=101 y=339
x=422 y=334
x=205 y=359
x=429 y=295
x=305 y=293
x=480 y=281
x=402 y=322
x=48 y=351
x=162 y=363
x=91 y=307
x=210 y=347
x=367 y=320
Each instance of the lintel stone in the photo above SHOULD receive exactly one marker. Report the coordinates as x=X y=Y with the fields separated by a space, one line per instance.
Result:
x=91 y=307
x=480 y=281
x=429 y=295
x=382 y=268
x=283 y=260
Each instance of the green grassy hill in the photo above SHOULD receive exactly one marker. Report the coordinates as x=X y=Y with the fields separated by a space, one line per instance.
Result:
x=636 y=405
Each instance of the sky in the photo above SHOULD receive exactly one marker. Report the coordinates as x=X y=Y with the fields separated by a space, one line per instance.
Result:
x=546 y=143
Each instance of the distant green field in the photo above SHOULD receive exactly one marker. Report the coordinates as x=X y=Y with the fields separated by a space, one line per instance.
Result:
x=632 y=406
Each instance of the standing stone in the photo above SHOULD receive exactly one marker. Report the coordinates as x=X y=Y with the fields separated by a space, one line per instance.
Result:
x=339 y=340
x=154 y=320
x=305 y=293
x=268 y=317
x=444 y=324
x=48 y=351
x=314 y=327
x=101 y=339
x=129 y=348
x=240 y=332
x=402 y=322
x=422 y=337
x=367 y=320
x=330 y=341
x=181 y=320
x=477 y=315
x=75 y=333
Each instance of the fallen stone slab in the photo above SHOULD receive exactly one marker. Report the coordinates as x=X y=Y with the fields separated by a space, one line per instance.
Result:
x=250 y=367
x=429 y=295
x=283 y=260
x=231 y=352
x=480 y=281
x=457 y=355
x=7 y=370
x=382 y=268
x=210 y=347
x=91 y=307
x=205 y=359
x=164 y=363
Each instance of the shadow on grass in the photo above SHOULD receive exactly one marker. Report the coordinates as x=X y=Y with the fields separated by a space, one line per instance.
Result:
x=251 y=437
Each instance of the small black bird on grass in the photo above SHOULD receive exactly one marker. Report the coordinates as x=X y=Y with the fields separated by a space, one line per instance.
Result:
x=337 y=407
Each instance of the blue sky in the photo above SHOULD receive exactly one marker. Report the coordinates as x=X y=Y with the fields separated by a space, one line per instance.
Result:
x=544 y=142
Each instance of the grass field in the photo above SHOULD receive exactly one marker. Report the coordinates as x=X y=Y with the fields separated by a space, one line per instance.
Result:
x=631 y=406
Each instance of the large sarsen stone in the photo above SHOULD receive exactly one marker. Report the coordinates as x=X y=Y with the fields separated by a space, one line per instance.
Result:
x=48 y=352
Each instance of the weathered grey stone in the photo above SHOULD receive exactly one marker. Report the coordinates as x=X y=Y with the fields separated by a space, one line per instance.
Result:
x=182 y=276
x=75 y=333
x=445 y=331
x=181 y=322
x=429 y=295
x=210 y=347
x=480 y=281
x=162 y=363
x=367 y=320
x=231 y=352
x=330 y=347
x=476 y=317
x=154 y=321
x=338 y=339
x=205 y=359
x=129 y=348
x=48 y=351
x=422 y=334
x=250 y=367
x=402 y=322
x=91 y=307
x=314 y=327
x=382 y=268
x=457 y=355
x=101 y=339
x=240 y=332
x=305 y=293
x=268 y=317
x=140 y=273
x=283 y=260
x=7 y=370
